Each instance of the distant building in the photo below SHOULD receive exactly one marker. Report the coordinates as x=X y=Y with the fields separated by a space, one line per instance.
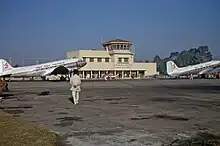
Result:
x=116 y=59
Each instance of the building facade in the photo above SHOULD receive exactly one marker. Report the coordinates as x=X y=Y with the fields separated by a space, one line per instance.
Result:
x=115 y=60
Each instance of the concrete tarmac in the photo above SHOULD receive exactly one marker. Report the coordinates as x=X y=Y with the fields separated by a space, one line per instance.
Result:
x=135 y=112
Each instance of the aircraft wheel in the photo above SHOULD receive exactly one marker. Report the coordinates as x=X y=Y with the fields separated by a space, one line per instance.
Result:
x=43 y=78
x=62 y=78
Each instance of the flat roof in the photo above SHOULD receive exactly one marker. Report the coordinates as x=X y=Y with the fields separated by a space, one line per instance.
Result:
x=116 y=41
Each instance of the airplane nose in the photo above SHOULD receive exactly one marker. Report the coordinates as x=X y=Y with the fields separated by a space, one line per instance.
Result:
x=84 y=63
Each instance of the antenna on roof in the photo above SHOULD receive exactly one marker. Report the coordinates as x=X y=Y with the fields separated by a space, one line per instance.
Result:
x=101 y=41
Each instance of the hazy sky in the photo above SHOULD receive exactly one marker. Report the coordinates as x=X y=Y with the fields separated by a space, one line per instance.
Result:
x=50 y=28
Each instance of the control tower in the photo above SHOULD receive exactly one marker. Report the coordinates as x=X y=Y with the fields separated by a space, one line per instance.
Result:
x=117 y=44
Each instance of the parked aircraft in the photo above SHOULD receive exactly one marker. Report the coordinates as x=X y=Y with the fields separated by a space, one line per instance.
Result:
x=41 y=70
x=198 y=69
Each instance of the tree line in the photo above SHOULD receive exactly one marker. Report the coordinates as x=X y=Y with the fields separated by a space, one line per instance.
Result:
x=187 y=57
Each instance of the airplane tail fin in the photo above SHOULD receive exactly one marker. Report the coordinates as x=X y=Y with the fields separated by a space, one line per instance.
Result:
x=4 y=66
x=171 y=66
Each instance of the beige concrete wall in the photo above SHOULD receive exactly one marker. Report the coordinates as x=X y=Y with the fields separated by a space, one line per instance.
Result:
x=95 y=66
x=88 y=53
x=122 y=54
x=93 y=53
x=150 y=68
x=73 y=54
x=117 y=56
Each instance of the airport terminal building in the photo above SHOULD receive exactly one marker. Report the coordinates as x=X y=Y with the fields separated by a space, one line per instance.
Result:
x=116 y=59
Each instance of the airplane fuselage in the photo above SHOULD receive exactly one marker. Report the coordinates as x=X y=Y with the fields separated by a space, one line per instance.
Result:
x=43 y=69
x=197 y=69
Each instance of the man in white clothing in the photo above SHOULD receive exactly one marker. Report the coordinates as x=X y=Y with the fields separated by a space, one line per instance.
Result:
x=191 y=77
x=75 y=82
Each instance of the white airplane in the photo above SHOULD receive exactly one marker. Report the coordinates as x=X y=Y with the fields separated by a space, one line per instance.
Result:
x=198 y=69
x=41 y=70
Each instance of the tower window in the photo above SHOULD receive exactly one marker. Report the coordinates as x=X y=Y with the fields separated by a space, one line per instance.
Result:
x=125 y=60
x=99 y=59
x=106 y=59
x=119 y=60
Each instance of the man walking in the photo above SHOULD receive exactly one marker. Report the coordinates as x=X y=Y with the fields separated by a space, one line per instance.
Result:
x=191 y=77
x=75 y=82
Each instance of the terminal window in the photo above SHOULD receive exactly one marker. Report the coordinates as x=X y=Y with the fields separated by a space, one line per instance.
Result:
x=106 y=59
x=91 y=59
x=125 y=60
x=120 y=60
x=99 y=59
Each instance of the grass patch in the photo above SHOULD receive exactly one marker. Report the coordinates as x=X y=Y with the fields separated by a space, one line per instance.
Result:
x=16 y=132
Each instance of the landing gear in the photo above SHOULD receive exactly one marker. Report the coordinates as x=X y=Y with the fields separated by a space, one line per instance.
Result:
x=62 y=78
x=32 y=78
x=68 y=76
x=43 y=78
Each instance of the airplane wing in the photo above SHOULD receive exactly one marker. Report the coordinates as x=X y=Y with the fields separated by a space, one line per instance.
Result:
x=210 y=70
x=216 y=70
x=48 y=72
x=206 y=71
x=56 y=70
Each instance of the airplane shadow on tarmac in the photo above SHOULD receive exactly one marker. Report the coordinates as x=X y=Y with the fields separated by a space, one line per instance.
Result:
x=195 y=88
